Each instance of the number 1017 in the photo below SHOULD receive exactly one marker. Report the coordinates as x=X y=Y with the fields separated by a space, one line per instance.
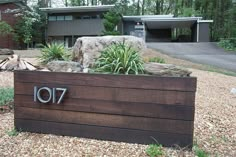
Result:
x=51 y=92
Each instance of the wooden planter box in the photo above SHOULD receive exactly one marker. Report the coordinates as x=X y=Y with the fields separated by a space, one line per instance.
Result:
x=128 y=108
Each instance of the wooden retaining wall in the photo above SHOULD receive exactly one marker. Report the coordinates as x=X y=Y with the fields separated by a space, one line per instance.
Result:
x=126 y=108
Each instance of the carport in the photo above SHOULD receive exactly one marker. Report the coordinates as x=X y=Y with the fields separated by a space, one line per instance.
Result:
x=160 y=28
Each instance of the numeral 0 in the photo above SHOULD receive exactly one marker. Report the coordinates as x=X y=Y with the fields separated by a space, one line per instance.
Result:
x=51 y=93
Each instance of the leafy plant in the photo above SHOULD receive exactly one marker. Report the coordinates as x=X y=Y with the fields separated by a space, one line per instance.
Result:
x=119 y=58
x=155 y=150
x=13 y=132
x=5 y=28
x=199 y=152
x=157 y=60
x=6 y=96
x=53 y=51
x=111 y=20
x=228 y=44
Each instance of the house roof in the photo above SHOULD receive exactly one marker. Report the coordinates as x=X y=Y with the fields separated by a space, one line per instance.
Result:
x=165 y=21
x=78 y=9
x=19 y=3
x=139 y=18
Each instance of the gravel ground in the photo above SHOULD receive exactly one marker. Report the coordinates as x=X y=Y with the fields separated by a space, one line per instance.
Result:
x=214 y=128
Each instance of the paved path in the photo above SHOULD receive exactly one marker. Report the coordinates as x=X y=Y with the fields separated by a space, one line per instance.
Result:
x=203 y=53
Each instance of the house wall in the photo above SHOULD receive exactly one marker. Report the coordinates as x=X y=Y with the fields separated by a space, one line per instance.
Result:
x=194 y=32
x=7 y=41
x=204 y=32
x=76 y=26
x=128 y=27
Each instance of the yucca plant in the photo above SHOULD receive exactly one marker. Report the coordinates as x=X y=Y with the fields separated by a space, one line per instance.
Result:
x=53 y=51
x=119 y=58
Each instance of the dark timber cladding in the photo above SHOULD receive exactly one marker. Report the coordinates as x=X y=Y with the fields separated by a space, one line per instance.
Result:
x=126 y=108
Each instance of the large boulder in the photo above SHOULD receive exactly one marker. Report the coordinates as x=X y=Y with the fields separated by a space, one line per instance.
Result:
x=166 y=70
x=87 y=49
x=6 y=52
x=64 y=66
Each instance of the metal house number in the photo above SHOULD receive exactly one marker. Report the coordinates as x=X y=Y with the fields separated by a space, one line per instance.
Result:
x=51 y=92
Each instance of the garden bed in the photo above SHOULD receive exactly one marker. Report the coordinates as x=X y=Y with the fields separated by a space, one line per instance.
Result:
x=136 y=109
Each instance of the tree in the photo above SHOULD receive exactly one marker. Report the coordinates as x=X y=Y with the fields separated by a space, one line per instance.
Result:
x=24 y=27
x=5 y=29
x=111 y=20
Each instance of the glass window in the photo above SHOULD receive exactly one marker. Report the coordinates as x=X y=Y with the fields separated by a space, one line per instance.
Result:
x=68 y=17
x=52 y=18
x=94 y=17
x=86 y=17
x=60 y=18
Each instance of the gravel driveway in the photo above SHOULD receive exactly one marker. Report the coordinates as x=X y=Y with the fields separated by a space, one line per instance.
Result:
x=203 y=53
x=214 y=128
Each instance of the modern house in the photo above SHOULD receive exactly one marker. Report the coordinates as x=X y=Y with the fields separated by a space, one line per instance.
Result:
x=162 y=28
x=68 y=23
x=8 y=8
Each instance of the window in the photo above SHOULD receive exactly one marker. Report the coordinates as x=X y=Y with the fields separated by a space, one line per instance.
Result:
x=86 y=17
x=95 y=17
x=60 y=18
x=52 y=18
x=69 y=17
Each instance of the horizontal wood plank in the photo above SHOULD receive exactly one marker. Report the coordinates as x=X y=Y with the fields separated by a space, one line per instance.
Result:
x=119 y=81
x=105 y=133
x=108 y=120
x=180 y=112
x=114 y=94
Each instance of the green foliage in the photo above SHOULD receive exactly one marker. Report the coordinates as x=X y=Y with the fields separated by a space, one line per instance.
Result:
x=24 y=27
x=6 y=96
x=111 y=20
x=199 y=152
x=53 y=51
x=157 y=60
x=13 y=132
x=155 y=150
x=228 y=44
x=5 y=29
x=119 y=59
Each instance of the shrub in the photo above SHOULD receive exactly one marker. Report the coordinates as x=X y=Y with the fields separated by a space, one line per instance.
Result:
x=157 y=60
x=6 y=97
x=53 y=51
x=119 y=58
x=12 y=132
x=155 y=150
x=5 y=29
x=199 y=152
x=228 y=44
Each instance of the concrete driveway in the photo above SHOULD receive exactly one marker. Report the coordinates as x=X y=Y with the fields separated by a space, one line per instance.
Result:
x=203 y=53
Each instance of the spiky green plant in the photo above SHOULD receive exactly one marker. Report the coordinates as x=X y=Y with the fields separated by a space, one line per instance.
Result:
x=53 y=51
x=119 y=58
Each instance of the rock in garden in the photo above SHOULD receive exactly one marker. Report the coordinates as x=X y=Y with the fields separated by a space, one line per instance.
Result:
x=87 y=49
x=233 y=91
x=15 y=63
x=166 y=70
x=6 y=52
x=64 y=66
